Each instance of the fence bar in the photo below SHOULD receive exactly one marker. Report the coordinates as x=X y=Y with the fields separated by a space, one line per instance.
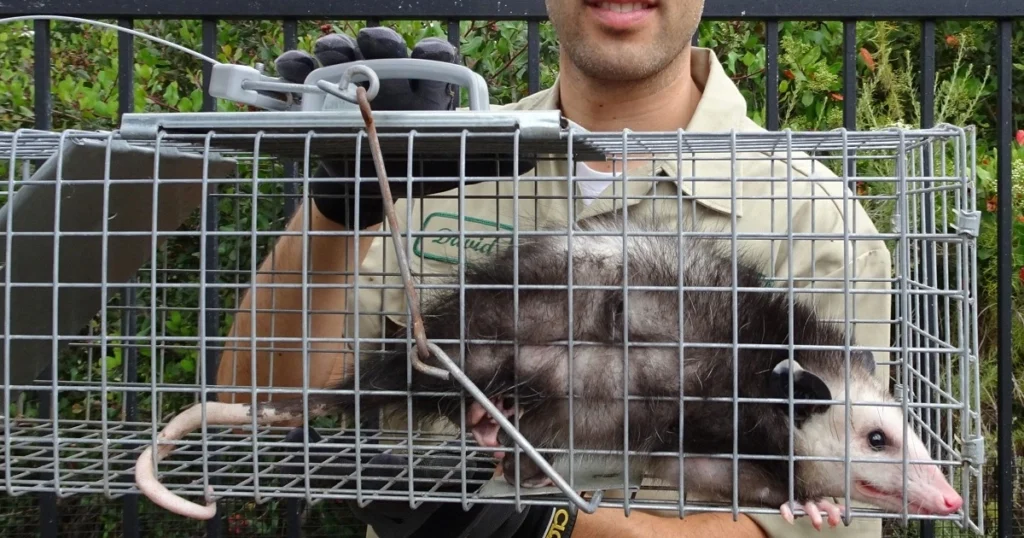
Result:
x=212 y=301
x=291 y=168
x=1005 y=288
x=850 y=74
x=48 y=524
x=43 y=98
x=771 y=34
x=928 y=73
x=533 y=56
x=292 y=506
x=850 y=92
x=517 y=10
x=929 y=271
x=129 y=295
x=455 y=38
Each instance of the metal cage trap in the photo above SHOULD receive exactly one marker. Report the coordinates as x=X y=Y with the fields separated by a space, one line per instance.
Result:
x=123 y=273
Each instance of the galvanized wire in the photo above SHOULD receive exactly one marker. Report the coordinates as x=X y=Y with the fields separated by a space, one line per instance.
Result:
x=935 y=349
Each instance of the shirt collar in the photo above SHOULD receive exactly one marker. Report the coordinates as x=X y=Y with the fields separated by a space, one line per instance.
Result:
x=721 y=108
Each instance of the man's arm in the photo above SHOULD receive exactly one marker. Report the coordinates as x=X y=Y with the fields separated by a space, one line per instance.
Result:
x=613 y=523
x=279 y=312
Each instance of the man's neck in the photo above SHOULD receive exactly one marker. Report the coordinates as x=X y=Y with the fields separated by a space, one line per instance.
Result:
x=665 y=102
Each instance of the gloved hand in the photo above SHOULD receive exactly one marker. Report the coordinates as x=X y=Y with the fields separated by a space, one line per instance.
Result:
x=336 y=199
x=395 y=519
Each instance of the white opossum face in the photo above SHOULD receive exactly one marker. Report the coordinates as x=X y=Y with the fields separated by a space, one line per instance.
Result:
x=876 y=433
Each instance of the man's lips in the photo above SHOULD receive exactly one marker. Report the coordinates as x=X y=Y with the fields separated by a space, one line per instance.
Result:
x=619 y=14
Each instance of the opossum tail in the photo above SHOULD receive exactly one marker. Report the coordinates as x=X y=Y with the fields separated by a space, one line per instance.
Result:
x=385 y=373
x=217 y=414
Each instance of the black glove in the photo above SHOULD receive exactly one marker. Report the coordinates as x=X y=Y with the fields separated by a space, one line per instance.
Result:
x=336 y=200
x=394 y=519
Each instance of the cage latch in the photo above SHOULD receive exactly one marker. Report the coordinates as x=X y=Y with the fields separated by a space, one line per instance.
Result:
x=899 y=392
x=974 y=451
x=968 y=223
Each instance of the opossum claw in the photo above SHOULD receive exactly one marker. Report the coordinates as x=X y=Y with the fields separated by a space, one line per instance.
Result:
x=834 y=511
x=813 y=510
x=787 y=513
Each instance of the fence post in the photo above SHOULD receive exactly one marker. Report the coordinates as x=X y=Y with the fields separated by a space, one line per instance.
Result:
x=1005 y=288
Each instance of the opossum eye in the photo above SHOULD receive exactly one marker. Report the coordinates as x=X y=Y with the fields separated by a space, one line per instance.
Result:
x=877 y=440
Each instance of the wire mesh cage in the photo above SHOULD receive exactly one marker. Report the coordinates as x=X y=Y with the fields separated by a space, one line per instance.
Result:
x=139 y=281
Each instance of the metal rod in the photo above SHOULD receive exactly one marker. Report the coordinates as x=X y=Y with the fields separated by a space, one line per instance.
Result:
x=771 y=30
x=455 y=38
x=928 y=269
x=48 y=520
x=403 y=262
x=850 y=93
x=291 y=169
x=211 y=301
x=1005 y=269
x=126 y=105
x=533 y=56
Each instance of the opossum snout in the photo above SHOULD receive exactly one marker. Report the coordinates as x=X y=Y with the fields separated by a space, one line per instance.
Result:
x=937 y=496
x=927 y=492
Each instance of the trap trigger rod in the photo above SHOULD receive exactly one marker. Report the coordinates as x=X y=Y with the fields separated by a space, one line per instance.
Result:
x=389 y=209
x=423 y=347
x=509 y=428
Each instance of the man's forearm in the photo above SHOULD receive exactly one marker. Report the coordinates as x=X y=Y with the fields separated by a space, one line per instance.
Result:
x=279 y=311
x=613 y=523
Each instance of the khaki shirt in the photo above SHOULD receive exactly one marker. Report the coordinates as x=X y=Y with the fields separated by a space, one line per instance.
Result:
x=707 y=200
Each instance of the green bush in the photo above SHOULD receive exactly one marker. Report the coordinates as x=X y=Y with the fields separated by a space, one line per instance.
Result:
x=85 y=96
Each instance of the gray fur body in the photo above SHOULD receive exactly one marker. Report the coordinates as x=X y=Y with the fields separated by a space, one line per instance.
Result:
x=536 y=370
x=599 y=328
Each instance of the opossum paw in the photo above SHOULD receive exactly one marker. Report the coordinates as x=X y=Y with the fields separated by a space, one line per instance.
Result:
x=529 y=475
x=814 y=511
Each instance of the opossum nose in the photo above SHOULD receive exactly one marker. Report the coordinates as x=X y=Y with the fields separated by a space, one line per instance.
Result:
x=953 y=501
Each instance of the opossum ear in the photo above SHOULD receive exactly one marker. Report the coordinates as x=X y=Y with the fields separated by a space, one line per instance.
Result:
x=865 y=359
x=806 y=386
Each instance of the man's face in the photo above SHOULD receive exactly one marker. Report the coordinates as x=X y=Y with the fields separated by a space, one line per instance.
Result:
x=616 y=40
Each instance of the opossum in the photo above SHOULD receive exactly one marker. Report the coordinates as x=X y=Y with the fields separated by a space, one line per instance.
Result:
x=531 y=361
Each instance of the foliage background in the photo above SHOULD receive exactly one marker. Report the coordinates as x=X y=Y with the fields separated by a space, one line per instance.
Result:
x=85 y=96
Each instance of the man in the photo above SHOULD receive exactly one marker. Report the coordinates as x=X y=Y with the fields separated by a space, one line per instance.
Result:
x=619 y=68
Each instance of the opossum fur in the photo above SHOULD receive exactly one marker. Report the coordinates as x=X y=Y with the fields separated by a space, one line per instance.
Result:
x=535 y=369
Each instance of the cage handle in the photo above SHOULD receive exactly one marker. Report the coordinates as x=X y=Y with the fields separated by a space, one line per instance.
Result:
x=388 y=69
x=332 y=87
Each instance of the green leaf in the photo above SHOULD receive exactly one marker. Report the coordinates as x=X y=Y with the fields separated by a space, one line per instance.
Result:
x=807 y=98
x=811 y=56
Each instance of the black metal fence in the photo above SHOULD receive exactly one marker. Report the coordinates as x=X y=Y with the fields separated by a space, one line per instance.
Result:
x=1004 y=13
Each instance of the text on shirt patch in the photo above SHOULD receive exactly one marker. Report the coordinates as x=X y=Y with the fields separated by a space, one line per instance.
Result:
x=445 y=248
